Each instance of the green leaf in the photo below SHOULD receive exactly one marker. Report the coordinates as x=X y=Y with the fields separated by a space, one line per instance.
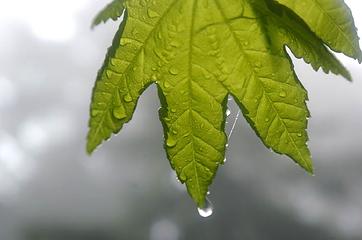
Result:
x=332 y=21
x=199 y=52
x=285 y=27
x=112 y=11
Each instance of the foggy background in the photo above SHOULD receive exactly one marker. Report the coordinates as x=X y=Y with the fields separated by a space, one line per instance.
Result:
x=51 y=190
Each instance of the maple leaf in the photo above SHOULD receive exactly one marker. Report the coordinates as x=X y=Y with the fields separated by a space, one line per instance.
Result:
x=199 y=52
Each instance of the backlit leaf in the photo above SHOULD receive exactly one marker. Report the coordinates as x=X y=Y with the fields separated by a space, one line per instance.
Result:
x=199 y=52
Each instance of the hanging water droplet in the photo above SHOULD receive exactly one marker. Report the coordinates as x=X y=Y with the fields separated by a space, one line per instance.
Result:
x=207 y=210
x=119 y=112
x=227 y=145
x=127 y=98
x=228 y=112
x=283 y=94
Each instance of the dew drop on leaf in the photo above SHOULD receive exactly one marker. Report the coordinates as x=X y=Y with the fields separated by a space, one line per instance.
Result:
x=228 y=112
x=166 y=84
x=175 y=43
x=171 y=141
x=173 y=71
x=152 y=14
x=282 y=94
x=124 y=42
x=154 y=77
x=207 y=210
x=127 y=98
x=95 y=112
x=119 y=112
x=258 y=64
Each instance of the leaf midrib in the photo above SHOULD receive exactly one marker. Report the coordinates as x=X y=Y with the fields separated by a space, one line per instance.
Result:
x=189 y=83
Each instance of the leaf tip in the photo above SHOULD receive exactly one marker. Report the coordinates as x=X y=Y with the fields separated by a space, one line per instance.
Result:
x=90 y=146
x=308 y=166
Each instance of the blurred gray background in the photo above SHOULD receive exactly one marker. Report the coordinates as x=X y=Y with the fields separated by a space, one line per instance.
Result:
x=51 y=190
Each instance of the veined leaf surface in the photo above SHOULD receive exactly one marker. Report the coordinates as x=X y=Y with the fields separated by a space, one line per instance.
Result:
x=199 y=52
x=332 y=21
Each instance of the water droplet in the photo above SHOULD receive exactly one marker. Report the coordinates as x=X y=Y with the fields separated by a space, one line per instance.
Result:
x=166 y=84
x=152 y=14
x=299 y=135
x=115 y=62
x=171 y=141
x=183 y=177
x=154 y=77
x=173 y=110
x=174 y=43
x=228 y=112
x=124 y=42
x=173 y=71
x=95 y=112
x=109 y=73
x=119 y=112
x=127 y=98
x=207 y=210
x=227 y=145
x=224 y=160
x=283 y=94
x=159 y=35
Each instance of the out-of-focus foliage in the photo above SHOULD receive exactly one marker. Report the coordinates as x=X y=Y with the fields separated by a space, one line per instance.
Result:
x=112 y=11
